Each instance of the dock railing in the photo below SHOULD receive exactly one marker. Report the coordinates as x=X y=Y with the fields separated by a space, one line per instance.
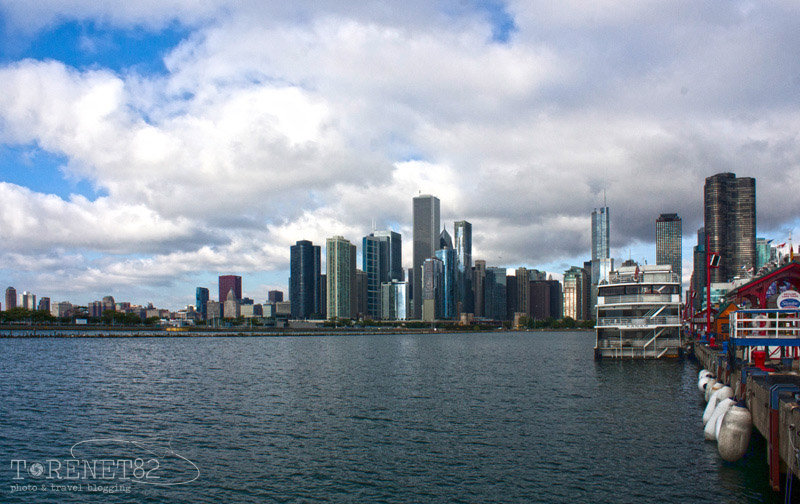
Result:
x=778 y=331
x=760 y=324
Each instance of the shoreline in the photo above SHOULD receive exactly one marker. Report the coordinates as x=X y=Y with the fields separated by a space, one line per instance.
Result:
x=103 y=332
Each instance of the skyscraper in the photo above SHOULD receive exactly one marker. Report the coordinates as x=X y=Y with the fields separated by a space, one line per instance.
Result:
x=394 y=296
x=763 y=252
x=382 y=261
x=699 y=271
x=495 y=293
x=426 y=238
x=576 y=290
x=28 y=300
x=304 y=279
x=463 y=246
x=432 y=289
x=445 y=241
x=201 y=301
x=231 y=310
x=228 y=283
x=523 y=291
x=540 y=299
x=44 y=304
x=341 y=277
x=478 y=288
x=730 y=223
x=511 y=297
x=448 y=304
x=556 y=298
x=275 y=296
x=109 y=304
x=11 y=298
x=601 y=250
x=669 y=234
x=360 y=294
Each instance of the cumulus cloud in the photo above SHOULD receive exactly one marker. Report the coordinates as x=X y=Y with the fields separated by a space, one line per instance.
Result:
x=276 y=122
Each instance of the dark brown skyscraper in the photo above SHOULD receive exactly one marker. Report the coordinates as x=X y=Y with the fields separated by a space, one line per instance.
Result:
x=730 y=223
x=228 y=282
x=11 y=298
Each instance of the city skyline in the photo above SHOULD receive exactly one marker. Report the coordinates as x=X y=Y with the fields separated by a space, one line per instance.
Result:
x=667 y=231
x=148 y=149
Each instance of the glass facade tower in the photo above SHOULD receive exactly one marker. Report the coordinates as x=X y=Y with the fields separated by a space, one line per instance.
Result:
x=601 y=250
x=669 y=243
x=448 y=304
x=304 y=280
x=201 y=301
x=382 y=261
x=463 y=246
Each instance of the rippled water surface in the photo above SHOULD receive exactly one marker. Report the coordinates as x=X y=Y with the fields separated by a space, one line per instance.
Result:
x=491 y=417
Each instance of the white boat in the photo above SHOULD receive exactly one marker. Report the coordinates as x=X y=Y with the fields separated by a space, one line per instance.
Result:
x=638 y=314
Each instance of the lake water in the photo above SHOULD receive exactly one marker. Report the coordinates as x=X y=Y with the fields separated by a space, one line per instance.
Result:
x=488 y=417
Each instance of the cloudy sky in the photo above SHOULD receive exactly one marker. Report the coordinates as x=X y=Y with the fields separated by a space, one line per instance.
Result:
x=148 y=146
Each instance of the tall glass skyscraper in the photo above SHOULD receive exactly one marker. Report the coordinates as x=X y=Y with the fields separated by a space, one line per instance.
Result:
x=763 y=252
x=304 y=279
x=699 y=272
x=448 y=304
x=425 y=210
x=463 y=246
x=730 y=223
x=495 y=293
x=394 y=296
x=382 y=262
x=576 y=290
x=601 y=250
x=478 y=288
x=201 y=301
x=432 y=289
x=669 y=233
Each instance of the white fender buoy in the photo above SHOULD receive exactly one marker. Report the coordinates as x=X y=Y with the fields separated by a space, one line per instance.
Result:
x=704 y=376
x=716 y=398
x=721 y=417
x=734 y=433
x=711 y=388
x=703 y=372
x=710 y=432
x=704 y=382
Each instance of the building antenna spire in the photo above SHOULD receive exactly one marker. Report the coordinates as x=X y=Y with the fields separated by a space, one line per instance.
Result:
x=604 y=198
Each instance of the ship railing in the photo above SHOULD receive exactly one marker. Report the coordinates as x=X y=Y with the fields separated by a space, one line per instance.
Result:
x=639 y=298
x=638 y=321
x=639 y=343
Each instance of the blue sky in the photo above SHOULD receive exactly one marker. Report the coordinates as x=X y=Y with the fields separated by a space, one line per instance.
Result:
x=147 y=147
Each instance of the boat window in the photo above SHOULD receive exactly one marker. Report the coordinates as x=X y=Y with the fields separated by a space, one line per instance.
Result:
x=613 y=291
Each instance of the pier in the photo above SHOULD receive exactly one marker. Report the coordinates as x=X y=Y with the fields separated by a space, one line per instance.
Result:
x=772 y=395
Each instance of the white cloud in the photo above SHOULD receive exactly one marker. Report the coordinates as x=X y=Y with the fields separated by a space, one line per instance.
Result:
x=276 y=123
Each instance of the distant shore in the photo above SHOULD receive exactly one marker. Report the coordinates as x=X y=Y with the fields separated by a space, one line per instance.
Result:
x=56 y=331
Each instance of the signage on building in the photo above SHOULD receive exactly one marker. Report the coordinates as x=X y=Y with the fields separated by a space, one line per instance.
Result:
x=789 y=300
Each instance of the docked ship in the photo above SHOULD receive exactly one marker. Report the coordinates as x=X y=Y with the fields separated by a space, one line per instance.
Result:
x=638 y=314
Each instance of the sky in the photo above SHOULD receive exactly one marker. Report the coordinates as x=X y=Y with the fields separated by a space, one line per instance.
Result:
x=147 y=147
